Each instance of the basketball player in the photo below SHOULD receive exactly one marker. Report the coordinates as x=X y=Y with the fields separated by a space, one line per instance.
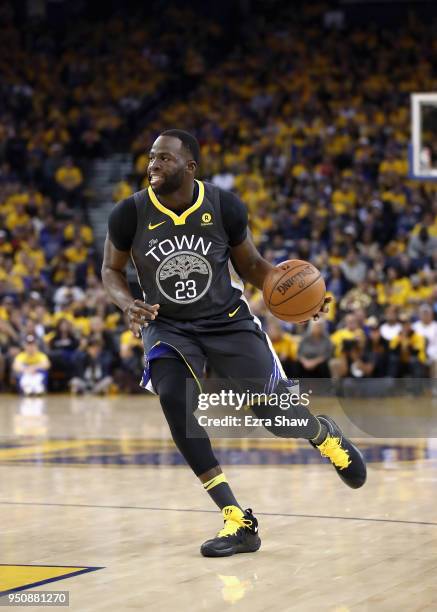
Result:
x=185 y=237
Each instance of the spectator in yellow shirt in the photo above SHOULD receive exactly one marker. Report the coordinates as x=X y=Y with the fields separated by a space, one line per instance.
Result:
x=77 y=227
x=31 y=368
x=408 y=352
x=345 y=195
x=122 y=190
x=77 y=253
x=284 y=344
x=5 y=245
x=131 y=362
x=32 y=250
x=429 y=222
x=18 y=217
x=7 y=306
x=69 y=180
x=418 y=292
x=141 y=166
x=395 y=291
x=391 y=165
x=129 y=341
x=350 y=331
x=260 y=223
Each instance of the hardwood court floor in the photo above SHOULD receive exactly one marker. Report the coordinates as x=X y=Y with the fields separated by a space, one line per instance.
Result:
x=96 y=484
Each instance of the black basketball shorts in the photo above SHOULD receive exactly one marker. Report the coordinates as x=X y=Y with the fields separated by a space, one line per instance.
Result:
x=234 y=350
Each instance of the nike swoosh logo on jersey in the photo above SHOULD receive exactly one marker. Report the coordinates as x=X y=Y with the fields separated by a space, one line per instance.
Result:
x=152 y=227
x=234 y=312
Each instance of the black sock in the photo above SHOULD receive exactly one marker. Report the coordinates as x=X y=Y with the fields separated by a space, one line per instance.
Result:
x=220 y=491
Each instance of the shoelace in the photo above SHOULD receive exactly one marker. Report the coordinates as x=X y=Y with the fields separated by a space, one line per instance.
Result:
x=331 y=448
x=233 y=524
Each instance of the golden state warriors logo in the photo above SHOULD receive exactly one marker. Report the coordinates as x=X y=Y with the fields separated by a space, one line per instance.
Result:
x=194 y=274
x=206 y=219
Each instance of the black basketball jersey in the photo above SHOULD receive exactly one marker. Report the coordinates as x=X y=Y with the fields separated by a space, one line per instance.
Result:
x=182 y=260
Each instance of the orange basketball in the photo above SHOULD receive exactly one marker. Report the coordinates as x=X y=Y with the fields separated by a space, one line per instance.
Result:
x=294 y=291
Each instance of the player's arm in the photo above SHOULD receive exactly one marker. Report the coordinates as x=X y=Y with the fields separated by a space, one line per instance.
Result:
x=114 y=275
x=122 y=225
x=250 y=264
x=116 y=285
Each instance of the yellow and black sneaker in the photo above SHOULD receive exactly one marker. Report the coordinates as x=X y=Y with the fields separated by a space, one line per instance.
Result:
x=344 y=456
x=239 y=535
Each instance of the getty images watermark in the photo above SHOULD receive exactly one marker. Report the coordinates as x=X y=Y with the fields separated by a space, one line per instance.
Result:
x=271 y=403
x=363 y=407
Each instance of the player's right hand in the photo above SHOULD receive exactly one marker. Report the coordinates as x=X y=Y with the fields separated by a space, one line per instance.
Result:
x=139 y=313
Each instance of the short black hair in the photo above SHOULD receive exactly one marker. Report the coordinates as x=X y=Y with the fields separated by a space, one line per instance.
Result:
x=189 y=141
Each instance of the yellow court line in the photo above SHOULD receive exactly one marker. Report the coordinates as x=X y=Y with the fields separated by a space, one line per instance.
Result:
x=127 y=445
x=44 y=448
x=53 y=446
x=246 y=443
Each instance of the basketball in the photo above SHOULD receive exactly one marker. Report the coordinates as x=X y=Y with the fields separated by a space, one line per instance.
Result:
x=294 y=291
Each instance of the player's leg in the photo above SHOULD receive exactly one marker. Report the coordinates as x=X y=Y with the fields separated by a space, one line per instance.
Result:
x=250 y=363
x=239 y=534
x=255 y=360
x=169 y=380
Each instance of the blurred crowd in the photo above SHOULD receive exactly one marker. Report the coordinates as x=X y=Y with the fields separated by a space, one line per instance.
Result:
x=72 y=89
x=309 y=124
x=312 y=132
x=82 y=86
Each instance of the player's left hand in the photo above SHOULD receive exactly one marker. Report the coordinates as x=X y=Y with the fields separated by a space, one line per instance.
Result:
x=324 y=309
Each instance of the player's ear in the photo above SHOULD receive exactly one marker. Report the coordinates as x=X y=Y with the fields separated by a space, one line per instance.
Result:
x=191 y=166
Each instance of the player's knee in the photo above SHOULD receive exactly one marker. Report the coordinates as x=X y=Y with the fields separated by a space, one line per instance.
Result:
x=173 y=404
x=170 y=399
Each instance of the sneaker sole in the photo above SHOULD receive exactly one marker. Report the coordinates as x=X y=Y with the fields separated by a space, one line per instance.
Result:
x=233 y=550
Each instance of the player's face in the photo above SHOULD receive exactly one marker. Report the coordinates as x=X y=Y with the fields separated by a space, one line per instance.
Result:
x=167 y=165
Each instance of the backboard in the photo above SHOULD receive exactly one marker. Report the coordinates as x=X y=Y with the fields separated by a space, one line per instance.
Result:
x=423 y=147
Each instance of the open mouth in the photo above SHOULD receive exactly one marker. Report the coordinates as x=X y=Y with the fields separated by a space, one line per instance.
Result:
x=154 y=179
